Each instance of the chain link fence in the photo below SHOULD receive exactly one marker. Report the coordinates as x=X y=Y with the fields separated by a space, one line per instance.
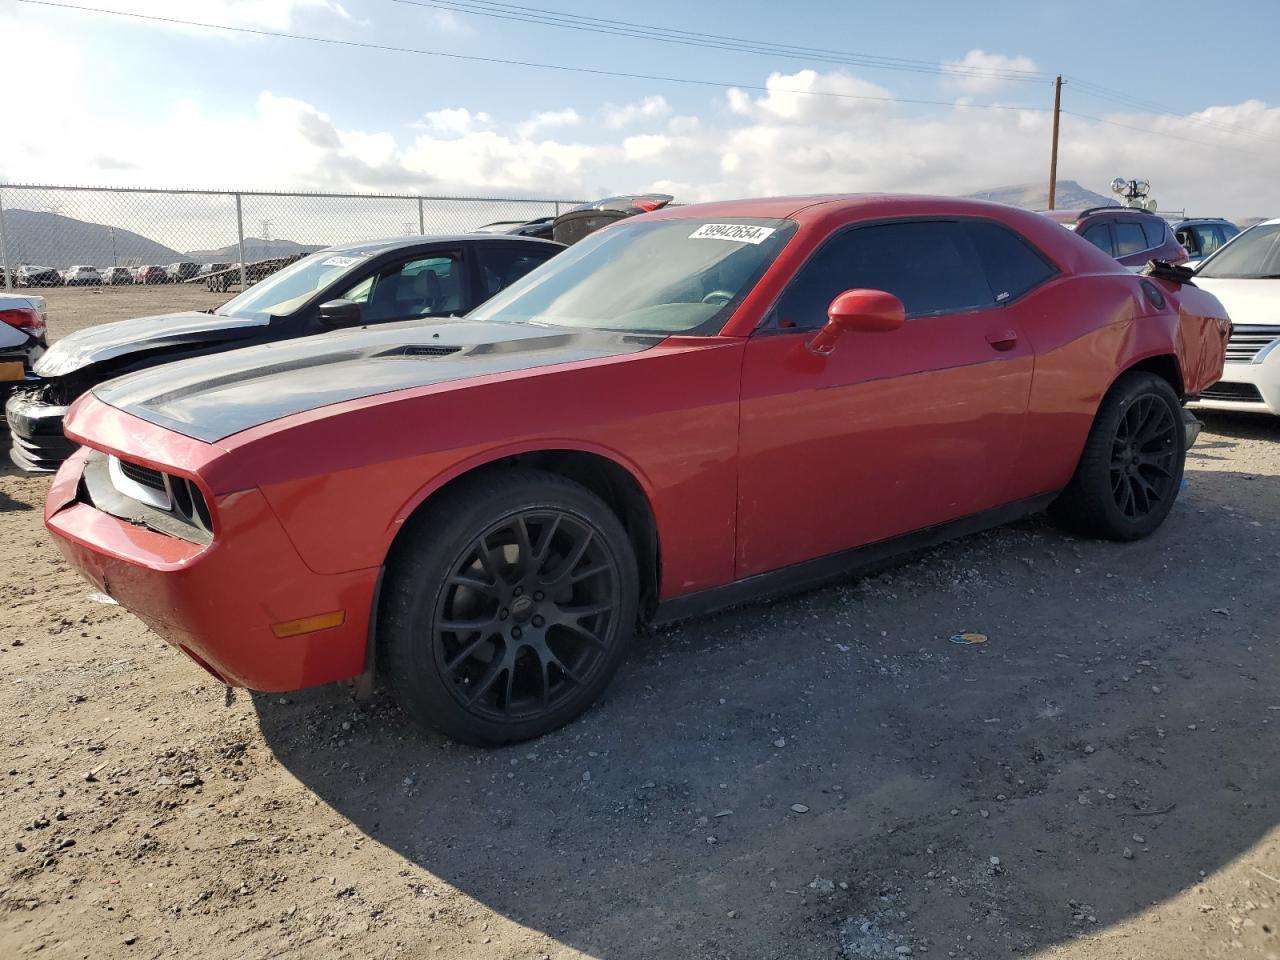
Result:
x=137 y=237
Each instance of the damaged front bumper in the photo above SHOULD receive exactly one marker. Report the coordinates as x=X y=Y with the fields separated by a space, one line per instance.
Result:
x=35 y=426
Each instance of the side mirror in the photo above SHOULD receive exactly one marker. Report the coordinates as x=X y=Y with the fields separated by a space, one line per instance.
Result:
x=858 y=311
x=339 y=313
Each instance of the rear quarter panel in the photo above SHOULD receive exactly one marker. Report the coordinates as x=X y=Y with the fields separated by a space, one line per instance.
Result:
x=1097 y=327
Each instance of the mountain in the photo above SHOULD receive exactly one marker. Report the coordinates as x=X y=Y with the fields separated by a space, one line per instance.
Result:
x=1031 y=196
x=33 y=236
x=255 y=248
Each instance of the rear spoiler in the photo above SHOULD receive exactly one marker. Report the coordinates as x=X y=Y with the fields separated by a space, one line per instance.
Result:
x=1164 y=270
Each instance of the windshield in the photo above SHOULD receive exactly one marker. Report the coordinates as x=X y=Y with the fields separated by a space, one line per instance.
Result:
x=646 y=276
x=288 y=289
x=1253 y=255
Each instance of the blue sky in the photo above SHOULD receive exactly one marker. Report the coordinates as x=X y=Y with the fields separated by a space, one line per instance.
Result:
x=129 y=101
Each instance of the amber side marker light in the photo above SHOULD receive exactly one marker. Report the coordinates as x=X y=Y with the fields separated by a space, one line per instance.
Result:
x=321 y=621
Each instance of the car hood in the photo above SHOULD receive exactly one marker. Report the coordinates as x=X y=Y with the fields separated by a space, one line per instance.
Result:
x=1248 y=302
x=108 y=341
x=212 y=397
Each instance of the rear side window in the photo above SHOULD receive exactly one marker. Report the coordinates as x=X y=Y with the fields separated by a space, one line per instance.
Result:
x=1156 y=232
x=1012 y=265
x=1129 y=238
x=929 y=265
x=502 y=264
x=1100 y=236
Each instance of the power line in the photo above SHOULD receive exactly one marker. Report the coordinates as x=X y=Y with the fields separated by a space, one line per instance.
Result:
x=1157 y=133
x=639 y=31
x=1147 y=106
x=625 y=28
x=565 y=68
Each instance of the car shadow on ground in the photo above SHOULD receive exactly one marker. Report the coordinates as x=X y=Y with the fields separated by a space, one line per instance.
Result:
x=829 y=772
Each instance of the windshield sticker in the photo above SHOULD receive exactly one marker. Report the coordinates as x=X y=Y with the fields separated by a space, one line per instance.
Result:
x=738 y=232
x=341 y=261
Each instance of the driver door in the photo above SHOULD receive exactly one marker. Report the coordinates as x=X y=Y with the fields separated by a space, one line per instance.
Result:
x=893 y=431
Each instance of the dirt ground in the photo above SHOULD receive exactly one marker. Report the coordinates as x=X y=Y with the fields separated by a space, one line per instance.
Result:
x=822 y=777
x=71 y=308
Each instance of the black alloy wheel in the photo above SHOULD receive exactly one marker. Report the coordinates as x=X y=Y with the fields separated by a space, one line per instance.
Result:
x=508 y=604
x=1130 y=470
x=525 y=618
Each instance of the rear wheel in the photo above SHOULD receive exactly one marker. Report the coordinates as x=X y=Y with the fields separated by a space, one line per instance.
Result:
x=508 y=608
x=1131 y=469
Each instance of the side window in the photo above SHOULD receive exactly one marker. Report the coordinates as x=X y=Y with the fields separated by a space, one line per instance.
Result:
x=928 y=265
x=1210 y=238
x=1129 y=238
x=418 y=288
x=502 y=264
x=1155 y=231
x=1187 y=237
x=1100 y=236
x=1013 y=266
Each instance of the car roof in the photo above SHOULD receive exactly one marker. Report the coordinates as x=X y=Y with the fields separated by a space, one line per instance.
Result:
x=371 y=247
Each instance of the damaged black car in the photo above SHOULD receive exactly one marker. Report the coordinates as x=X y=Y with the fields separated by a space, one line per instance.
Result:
x=377 y=282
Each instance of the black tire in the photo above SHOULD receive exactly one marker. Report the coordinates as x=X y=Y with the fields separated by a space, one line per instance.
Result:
x=529 y=659
x=1130 y=471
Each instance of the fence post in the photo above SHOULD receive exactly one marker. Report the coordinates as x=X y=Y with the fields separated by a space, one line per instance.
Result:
x=557 y=208
x=4 y=249
x=240 y=241
x=422 y=222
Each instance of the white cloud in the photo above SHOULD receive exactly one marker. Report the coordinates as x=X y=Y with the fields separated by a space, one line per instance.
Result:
x=449 y=22
x=646 y=146
x=981 y=72
x=768 y=144
x=809 y=96
x=684 y=124
x=549 y=120
x=648 y=109
x=454 y=121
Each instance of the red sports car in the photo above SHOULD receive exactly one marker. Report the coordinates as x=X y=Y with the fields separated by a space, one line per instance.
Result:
x=687 y=409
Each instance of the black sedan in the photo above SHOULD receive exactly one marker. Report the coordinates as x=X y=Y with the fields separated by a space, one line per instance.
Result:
x=377 y=282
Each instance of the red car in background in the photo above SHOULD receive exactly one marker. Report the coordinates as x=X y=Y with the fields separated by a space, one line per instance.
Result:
x=688 y=409
x=1133 y=237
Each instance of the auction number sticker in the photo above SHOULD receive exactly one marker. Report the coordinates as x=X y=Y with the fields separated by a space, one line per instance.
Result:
x=738 y=232
x=341 y=261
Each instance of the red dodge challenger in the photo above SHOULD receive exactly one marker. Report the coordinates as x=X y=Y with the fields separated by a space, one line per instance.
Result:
x=688 y=409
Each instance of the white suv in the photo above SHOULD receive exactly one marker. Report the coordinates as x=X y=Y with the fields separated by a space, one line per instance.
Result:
x=82 y=277
x=1245 y=275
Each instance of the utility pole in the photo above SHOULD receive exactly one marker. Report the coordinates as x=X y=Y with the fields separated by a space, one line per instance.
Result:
x=1053 y=153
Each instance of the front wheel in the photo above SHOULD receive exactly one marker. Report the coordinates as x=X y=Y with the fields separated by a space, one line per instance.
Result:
x=508 y=607
x=1131 y=469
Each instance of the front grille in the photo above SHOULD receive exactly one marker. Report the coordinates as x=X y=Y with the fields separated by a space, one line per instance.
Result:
x=184 y=512
x=143 y=475
x=1235 y=392
x=1248 y=341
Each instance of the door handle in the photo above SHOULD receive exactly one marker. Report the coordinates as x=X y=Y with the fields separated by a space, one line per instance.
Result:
x=1003 y=340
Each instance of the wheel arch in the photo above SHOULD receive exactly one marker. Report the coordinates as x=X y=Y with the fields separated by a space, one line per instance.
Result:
x=1163 y=365
x=615 y=482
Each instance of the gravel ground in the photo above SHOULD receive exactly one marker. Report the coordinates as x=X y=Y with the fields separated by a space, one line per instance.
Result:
x=821 y=777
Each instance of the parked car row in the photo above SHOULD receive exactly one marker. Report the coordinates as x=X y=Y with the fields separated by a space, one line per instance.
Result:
x=474 y=464
x=80 y=275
